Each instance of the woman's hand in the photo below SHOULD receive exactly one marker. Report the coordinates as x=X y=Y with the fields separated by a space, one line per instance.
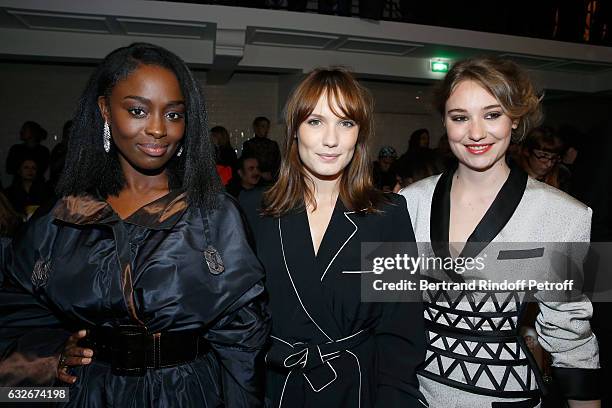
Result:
x=73 y=355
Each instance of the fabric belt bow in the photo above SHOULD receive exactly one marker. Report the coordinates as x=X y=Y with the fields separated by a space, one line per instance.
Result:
x=312 y=360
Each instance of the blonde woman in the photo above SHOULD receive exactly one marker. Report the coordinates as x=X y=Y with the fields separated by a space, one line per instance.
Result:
x=475 y=356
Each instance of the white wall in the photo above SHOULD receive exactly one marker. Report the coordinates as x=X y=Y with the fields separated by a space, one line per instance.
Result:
x=399 y=110
x=235 y=105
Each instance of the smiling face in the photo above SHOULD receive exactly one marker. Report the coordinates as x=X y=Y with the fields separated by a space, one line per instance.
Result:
x=478 y=129
x=146 y=112
x=326 y=142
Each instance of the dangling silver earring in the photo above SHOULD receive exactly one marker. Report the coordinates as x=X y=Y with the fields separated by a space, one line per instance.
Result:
x=179 y=152
x=106 y=137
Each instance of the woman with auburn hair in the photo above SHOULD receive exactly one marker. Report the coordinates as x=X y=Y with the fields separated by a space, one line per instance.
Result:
x=329 y=348
x=483 y=209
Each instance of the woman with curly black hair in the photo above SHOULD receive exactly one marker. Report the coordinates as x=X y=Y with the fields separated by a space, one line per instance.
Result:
x=143 y=251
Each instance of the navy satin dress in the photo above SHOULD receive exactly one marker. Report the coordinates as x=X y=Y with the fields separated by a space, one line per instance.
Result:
x=81 y=266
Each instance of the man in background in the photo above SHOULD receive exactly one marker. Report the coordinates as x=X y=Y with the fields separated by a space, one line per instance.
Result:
x=246 y=177
x=266 y=151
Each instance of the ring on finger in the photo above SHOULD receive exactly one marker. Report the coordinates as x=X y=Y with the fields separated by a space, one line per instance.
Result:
x=62 y=361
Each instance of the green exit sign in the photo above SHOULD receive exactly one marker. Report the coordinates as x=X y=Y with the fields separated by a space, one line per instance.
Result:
x=440 y=66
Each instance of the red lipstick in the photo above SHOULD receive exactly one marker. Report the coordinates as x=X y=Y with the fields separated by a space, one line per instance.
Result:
x=478 y=148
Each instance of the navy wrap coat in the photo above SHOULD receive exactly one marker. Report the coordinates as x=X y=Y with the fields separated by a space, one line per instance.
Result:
x=81 y=266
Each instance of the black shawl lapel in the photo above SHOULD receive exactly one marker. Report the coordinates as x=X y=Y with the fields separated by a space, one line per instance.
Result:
x=439 y=221
x=439 y=217
x=498 y=214
x=303 y=271
x=339 y=232
x=491 y=224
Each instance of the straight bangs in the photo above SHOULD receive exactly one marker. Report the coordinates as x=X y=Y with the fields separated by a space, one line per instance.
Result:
x=347 y=99
x=353 y=103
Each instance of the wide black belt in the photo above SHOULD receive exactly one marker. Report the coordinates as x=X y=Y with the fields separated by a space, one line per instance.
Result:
x=312 y=359
x=131 y=350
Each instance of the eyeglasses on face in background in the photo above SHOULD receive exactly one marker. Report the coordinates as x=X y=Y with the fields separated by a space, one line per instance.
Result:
x=543 y=155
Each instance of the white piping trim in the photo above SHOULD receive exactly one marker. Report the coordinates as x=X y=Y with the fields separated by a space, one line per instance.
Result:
x=361 y=272
x=324 y=386
x=345 y=242
x=359 y=367
x=330 y=366
x=301 y=361
x=349 y=336
x=280 y=231
x=331 y=358
x=280 y=403
x=333 y=353
x=279 y=339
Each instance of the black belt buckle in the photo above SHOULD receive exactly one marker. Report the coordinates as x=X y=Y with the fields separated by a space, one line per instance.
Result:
x=129 y=350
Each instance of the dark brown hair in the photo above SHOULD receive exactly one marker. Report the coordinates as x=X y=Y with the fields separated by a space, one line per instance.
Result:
x=294 y=186
x=224 y=136
x=505 y=80
x=544 y=138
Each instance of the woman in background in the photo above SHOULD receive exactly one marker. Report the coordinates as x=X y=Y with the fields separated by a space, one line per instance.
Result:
x=330 y=348
x=418 y=150
x=31 y=134
x=476 y=356
x=541 y=155
x=28 y=191
x=419 y=139
x=225 y=155
x=224 y=151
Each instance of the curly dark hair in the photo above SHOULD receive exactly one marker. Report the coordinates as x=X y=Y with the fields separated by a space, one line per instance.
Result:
x=89 y=168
